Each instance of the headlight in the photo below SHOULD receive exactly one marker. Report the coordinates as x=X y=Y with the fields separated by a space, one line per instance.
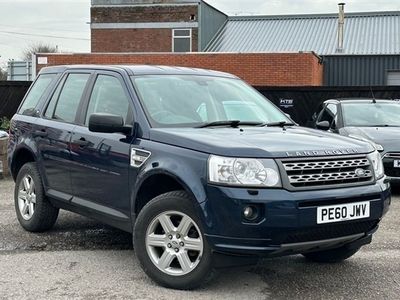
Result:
x=243 y=172
x=375 y=145
x=377 y=163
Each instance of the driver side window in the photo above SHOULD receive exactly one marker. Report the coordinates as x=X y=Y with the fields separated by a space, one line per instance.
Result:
x=108 y=96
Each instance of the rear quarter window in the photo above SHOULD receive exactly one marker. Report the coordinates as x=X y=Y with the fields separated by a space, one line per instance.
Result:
x=36 y=93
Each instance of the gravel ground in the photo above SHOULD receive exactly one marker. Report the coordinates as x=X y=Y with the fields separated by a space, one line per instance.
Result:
x=83 y=259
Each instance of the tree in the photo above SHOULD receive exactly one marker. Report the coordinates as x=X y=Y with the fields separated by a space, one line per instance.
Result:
x=38 y=48
x=3 y=74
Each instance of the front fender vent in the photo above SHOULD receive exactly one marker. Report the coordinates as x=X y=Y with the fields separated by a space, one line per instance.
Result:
x=139 y=157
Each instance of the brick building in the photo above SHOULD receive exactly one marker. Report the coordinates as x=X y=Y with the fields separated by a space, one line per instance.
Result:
x=153 y=26
x=258 y=69
x=176 y=32
x=360 y=50
x=291 y=50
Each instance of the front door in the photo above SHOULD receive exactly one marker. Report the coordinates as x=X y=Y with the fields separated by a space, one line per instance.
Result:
x=101 y=161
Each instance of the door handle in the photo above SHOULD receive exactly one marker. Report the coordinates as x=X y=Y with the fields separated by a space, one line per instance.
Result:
x=82 y=142
x=40 y=133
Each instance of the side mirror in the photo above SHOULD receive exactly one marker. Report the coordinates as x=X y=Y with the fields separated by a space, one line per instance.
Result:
x=323 y=125
x=108 y=123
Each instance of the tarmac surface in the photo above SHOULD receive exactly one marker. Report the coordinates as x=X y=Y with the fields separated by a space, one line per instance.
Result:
x=84 y=259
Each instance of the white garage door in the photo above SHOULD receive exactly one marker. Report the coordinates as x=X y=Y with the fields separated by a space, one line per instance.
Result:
x=393 y=78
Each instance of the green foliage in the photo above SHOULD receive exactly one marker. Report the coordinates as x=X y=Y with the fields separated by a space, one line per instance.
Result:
x=4 y=124
x=3 y=74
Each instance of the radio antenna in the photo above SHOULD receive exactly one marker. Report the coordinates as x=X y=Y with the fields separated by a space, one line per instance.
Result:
x=373 y=95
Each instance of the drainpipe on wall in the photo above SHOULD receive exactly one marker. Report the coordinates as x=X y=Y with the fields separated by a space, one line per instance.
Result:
x=340 y=44
x=34 y=64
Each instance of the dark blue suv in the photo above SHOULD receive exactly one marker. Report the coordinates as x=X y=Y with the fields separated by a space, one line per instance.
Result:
x=201 y=169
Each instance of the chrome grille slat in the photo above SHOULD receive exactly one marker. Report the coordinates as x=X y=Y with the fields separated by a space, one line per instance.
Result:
x=327 y=171
x=314 y=165
x=327 y=177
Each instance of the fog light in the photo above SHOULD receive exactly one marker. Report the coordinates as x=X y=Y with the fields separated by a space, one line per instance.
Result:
x=250 y=213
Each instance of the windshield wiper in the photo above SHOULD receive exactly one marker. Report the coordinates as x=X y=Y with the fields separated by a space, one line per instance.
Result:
x=278 y=124
x=230 y=123
x=385 y=125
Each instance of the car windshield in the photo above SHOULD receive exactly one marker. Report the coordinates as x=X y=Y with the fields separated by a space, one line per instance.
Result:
x=193 y=101
x=371 y=114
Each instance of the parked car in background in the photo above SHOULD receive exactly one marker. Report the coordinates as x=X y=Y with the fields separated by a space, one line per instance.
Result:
x=372 y=120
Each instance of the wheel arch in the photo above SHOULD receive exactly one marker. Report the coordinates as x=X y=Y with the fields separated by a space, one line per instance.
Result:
x=21 y=156
x=166 y=182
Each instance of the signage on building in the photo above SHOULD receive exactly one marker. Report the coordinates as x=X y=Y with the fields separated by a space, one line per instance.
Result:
x=42 y=60
x=286 y=103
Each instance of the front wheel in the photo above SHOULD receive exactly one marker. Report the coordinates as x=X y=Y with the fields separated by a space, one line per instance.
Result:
x=331 y=256
x=170 y=245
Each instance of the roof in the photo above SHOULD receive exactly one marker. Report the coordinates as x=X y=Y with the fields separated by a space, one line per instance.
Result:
x=365 y=33
x=140 y=70
x=141 y=2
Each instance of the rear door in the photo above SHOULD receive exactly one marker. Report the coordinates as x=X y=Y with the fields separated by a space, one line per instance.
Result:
x=101 y=161
x=54 y=131
x=24 y=123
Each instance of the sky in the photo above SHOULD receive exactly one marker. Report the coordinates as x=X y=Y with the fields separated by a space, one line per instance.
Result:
x=64 y=23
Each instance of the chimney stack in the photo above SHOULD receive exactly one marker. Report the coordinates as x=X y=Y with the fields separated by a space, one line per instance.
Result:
x=340 y=46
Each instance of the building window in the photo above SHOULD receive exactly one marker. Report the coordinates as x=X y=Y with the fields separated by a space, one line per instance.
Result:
x=182 y=40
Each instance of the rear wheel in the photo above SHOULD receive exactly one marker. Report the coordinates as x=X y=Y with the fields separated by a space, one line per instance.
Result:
x=332 y=255
x=34 y=212
x=170 y=245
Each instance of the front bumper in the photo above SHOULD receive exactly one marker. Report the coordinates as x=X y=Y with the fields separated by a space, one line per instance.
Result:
x=288 y=224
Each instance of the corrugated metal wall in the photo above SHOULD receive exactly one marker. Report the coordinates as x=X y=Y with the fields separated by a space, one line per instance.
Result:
x=19 y=70
x=367 y=33
x=211 y=20
x=360 y=70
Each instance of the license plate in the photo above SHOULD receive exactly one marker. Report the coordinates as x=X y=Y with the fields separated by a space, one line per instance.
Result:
x=397 y=163
x=343 y=212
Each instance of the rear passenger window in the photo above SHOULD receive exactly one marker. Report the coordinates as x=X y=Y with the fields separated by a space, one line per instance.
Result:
x=35 y=94
x=109 y=96
x=52 y=104
x=67 y=101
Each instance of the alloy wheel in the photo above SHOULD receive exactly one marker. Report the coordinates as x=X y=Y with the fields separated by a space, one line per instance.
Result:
x=174 y=243
x=27 y=197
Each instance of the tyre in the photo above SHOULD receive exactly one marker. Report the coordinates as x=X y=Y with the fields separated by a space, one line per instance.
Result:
x=170 y=245
x=332 y=255
x=34 y=212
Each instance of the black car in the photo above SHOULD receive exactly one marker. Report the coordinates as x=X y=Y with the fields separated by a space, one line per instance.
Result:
x=374 y=120
x=200 y=168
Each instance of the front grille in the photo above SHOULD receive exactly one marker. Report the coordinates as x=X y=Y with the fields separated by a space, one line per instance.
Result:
x=325 y=232
x=314 y=172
